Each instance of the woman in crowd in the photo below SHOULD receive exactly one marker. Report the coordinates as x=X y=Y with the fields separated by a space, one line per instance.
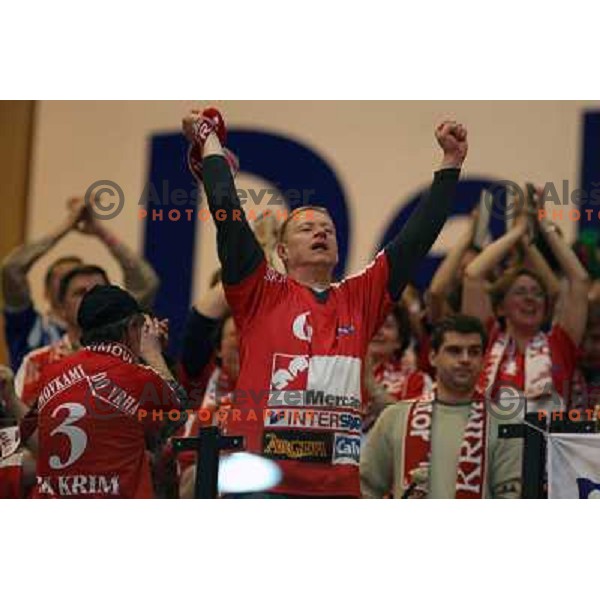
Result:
x=392 y=368
x=522 y=360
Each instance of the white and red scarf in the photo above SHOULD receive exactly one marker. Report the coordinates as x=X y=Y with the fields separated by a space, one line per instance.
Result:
x=472 y=462
x=538 y=370
x=11 y=463
x=395 y=377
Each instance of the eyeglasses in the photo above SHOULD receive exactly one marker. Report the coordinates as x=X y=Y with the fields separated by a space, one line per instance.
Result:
x=522 y=292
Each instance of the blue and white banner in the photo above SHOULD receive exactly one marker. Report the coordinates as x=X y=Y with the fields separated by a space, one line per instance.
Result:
x=574 y=465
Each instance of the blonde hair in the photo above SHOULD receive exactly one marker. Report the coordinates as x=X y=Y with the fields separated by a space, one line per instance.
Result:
x=296 y=211
x=502 y=285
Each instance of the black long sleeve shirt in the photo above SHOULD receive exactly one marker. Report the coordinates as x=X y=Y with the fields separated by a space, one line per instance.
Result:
x=240 y=252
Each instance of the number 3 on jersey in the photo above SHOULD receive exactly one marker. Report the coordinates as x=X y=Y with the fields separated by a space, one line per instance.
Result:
x=77 y=437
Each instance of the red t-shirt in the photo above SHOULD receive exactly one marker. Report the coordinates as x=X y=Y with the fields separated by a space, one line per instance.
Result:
x=298 y=396
x=96 y=409
x=401 y=382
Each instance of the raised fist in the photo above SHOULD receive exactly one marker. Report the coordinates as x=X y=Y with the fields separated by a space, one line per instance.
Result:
x=452 y=138
x=198 y=126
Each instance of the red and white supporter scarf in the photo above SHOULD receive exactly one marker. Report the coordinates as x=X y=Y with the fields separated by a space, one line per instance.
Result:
x=11 y=463
x=538 y=369
x=9 y=441
x=472 y=463
x=395 y=377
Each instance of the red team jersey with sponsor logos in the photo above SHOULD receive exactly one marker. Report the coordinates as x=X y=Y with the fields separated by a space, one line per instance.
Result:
x=298 y=397
x=95 y=413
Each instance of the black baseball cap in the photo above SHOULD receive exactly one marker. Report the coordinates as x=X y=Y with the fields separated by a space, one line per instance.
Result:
x=104 y=305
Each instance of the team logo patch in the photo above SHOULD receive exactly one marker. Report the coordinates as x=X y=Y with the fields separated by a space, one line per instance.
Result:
x=289 y=372
x=346 y=450
x=312 y=398
x=302 y=330
x=303 y=446
x=345 y=330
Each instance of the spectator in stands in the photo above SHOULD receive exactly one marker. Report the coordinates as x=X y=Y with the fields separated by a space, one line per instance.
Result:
x=443 y=444
x=17 y=464
x=102 y=401
x=216 y=399
x=446 y=283
x=524 y=366
x=73 y=287
x=386 y=351
x=444 y=296
x=209 y=370
x=26 y=329
x=201 y=337
x=302 y=336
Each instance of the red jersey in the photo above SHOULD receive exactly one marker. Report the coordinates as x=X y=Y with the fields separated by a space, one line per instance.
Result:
x=298 y=397
x=96 y=410
x=400 y=381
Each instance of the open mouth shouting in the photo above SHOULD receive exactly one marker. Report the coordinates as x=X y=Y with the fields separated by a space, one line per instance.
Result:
x=319 y=245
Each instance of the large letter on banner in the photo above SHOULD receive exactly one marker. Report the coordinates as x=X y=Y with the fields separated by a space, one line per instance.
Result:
x=574 y=465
